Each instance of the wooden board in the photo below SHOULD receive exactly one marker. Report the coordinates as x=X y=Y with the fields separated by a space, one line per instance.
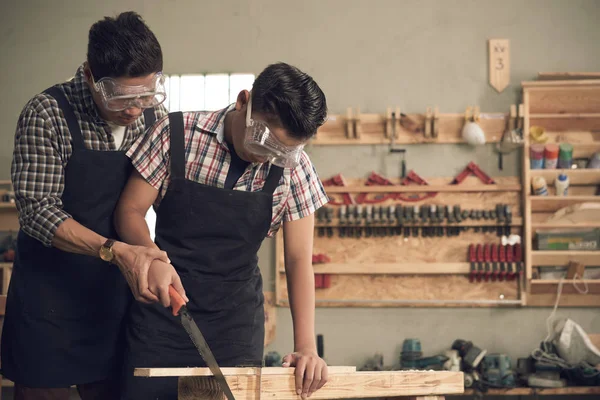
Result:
x=556 y=97
x=561 y=76
x=270 y=317
x=231 y=371
x=576 y=177
x=570 y=286
x=499 y=63
x=373 y=129
x=549 y=258
x=566 y=300
x=590 y=390
x=554 y=203
x=341 y=385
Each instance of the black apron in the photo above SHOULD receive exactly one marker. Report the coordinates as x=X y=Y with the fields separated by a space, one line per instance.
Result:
x=65 y=311
x=212 y=236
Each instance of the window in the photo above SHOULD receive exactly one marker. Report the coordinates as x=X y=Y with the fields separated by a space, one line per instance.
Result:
x=194 y=92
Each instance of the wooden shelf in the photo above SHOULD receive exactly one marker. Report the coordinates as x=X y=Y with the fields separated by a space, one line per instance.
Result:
x=565 y=115
x=576 y=176
x=392 y=269
x=423 y=188
x=8 y=205
x=538 y=391
x=554 y=203
x=516 y=221
x=549 y=258
x=545 y=286
x=579 y=225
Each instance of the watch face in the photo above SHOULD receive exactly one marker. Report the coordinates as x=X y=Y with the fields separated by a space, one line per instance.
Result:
x=106 y=254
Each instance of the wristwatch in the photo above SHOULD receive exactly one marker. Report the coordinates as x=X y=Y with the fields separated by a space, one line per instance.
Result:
x=106 y=252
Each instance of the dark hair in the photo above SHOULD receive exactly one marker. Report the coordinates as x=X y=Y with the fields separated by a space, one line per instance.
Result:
x=292 y=97
x=123 y=46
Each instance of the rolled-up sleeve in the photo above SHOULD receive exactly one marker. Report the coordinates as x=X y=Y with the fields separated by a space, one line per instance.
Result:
x=38 y=175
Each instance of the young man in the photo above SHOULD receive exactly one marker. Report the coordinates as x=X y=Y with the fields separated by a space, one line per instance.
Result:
x=221 y=182
x=66 y=303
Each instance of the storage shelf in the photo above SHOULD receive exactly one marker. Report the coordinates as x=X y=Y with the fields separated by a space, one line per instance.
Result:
x=423 y=188
x=516 y=221
x=392 y=269
x=8 y=205
x=549 y=258
x=576 y=176
x=542 y=286
x=554 y=203
x=564 y=115
x=569 y=225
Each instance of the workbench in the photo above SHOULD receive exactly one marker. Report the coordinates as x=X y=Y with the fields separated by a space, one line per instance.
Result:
x=344 y=383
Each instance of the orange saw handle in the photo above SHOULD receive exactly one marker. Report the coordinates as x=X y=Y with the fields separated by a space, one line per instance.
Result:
x=176 y=300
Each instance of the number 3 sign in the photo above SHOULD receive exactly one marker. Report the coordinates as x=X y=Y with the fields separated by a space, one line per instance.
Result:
x=499 y=63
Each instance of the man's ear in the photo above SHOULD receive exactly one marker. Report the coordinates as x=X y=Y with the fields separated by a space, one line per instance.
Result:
x=242 y=99
x=87 y=72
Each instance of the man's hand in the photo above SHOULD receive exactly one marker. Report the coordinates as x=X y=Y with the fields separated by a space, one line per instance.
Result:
x=160 y=276
x=134 y=261
x=311 y=371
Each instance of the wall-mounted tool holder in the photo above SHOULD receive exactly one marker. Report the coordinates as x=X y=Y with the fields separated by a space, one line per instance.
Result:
x=430 y=127
x=388 y=268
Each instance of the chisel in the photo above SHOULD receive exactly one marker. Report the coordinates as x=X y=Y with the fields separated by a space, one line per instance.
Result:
x=179 y=309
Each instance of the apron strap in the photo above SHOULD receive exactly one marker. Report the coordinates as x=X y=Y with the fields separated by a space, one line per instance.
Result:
x=177 y=148
x=273 y=179
x=67 y=110
x=149 y=118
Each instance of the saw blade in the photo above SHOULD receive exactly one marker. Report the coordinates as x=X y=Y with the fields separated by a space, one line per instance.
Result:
x=198 y=339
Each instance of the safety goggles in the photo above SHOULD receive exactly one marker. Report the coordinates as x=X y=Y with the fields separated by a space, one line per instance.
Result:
x=261 y=141
x=119 y=97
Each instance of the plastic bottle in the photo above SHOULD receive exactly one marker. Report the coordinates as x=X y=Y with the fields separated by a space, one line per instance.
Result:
x=594 y=161
x=540 y=188
x=551 y=156
x=562 y=184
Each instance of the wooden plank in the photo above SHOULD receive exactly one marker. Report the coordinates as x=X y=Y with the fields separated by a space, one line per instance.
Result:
x=566 y=124
x=576 y=176
x=565 y=100
x=339 y=386
x=565 y=115
x=525 y=391
x=373 y=128
x=392 y=269
x=335 y=222
x=561 y=76
x=566 y=300
x=555 y=203
x=422 y=188
x=570 y=286
x=531 y=86
x=232 y=371
x=551 y=258
x=270 y=317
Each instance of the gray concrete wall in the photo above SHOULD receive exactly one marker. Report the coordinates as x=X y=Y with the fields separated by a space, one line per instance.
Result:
x=369 y=54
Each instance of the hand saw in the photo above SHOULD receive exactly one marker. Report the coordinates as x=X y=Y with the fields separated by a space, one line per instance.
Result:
x=179 y=309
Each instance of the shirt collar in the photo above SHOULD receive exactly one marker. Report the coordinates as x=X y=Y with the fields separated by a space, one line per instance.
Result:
x=218 y=126
x=85 y=101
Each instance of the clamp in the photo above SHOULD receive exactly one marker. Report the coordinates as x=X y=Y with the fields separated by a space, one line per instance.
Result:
x=473 y=169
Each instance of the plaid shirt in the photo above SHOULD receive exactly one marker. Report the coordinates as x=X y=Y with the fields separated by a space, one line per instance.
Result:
x=42 y=149
x=299 y=193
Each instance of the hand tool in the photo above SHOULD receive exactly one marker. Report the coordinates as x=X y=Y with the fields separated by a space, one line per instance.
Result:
x=342 y=221
x=473 y=260
x=320 y=220
x=474 y=169
x=495 y=269
x=368 y=220
x=487 y=257
x=457 y=213
x=510 y=270
x=179 y=309
x=500 y=213
x=519 y=259
x=450 y=214
x=502 y=258
x=396 y=150
x=464 y=214
x=479 y=252
x=441 y=213
x=358 y=214
x=350 y=213
x=329 y=217
x=382 y=220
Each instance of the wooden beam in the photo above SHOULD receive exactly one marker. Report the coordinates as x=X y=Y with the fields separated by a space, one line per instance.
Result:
x=561 y=76
x=423 y=188
x=576 y=176
x=392 y=269
x=230 y=371
x=345 y=385
x=549 y=258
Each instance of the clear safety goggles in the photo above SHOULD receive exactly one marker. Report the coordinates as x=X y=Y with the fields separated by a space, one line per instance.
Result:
x=119 y=97
x=261 y=141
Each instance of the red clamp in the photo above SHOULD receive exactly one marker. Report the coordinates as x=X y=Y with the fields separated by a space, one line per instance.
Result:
x=320 y=259
x=502 y=257
x=338 y=180
x=487 y=257
x=497 y=273
x=413 y=177
x=375 y=180
x=473 y=169
x=321 y=280
x=519 y=259
x=472 y=260
x=511 y=272
x=479 y=252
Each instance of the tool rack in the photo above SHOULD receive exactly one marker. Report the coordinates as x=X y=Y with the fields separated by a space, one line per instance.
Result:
x=416 y=257
x=569 y=111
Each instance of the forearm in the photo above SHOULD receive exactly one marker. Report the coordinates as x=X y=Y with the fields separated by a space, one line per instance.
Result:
x=73 y=237
x=132 y=227
x=301 y=283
